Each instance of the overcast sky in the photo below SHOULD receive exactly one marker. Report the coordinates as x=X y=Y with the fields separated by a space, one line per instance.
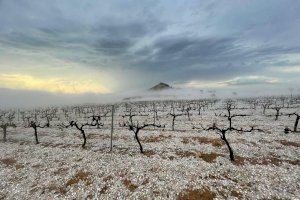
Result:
x=93 y=46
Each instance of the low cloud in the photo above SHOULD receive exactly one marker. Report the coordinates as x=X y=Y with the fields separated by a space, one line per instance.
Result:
x=237 y=81
x=250 y=80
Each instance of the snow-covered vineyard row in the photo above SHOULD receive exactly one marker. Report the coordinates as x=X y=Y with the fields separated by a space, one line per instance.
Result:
x=200 y=149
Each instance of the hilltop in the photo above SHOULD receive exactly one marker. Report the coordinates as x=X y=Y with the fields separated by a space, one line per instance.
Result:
x=160 y=86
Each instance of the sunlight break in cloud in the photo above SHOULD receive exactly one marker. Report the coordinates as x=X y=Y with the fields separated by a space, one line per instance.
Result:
x=60 y=85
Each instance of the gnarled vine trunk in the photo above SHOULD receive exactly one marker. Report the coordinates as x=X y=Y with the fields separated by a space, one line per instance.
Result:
x=4 y=133
x=138 y=140
x=296 y=123
x=228 y=146
x=36 y=135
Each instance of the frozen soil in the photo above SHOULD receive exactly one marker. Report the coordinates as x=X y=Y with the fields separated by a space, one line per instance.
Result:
x=183 y=164
x=188 y=163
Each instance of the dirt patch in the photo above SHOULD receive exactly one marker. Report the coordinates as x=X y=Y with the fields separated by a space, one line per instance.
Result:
x=196 y=194
x=208 y=157
x=266 y=161
x=204 y=140
x=216 y=143
x=256 y=161
x=9 y=162
x=236 y=194
x=185 y=140
x=271 y=160
x=80 y=176
x=288 y=143
x=155 y=139
x=149 y=153
x=238 y=160
x=130 y=186
x=104 y=189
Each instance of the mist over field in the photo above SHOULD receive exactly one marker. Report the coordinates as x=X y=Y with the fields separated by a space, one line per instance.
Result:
x=31 y=98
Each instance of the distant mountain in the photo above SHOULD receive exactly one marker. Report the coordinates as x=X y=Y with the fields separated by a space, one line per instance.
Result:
x=160 y=86
x=146 y=95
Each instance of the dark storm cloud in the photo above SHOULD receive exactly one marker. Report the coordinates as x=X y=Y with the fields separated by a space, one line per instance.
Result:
x=187 y=58
x=208 y=50
x=170 y=41
x=112 y=47
x=130 y=30
x=187 y=51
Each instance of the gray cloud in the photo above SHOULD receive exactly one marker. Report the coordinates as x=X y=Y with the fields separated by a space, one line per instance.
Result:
x=168 y=41
x=112 y=47
x=187 y=58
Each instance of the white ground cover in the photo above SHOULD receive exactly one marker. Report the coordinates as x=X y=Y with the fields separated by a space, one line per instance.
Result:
x=176 y=163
